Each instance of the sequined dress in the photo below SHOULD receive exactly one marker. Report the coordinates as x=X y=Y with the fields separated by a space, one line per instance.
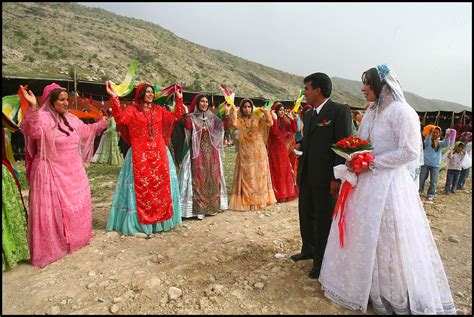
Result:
x=281 y=170
x=151 y=171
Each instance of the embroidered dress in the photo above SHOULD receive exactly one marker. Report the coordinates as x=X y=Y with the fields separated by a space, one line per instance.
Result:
x=281 y=170
x=110 y=152
x=150 y=130
x=389 y=256
x=123 y=215
x=60 y=207
x=14 y=223
x=252 y=188
x=201 y=177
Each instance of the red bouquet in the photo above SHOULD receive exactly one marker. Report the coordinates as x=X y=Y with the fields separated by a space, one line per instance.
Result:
x=355 y=150
x=358 y=152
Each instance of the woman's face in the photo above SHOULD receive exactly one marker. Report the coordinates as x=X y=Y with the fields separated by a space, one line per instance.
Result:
x=61 y=105
x=281 y=112
x=247 y=108
x=368 y=93
x=436 y=134
x=149 y=94
x=203 y=104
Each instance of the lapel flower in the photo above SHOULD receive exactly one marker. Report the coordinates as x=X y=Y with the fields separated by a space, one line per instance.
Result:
x=324 y=123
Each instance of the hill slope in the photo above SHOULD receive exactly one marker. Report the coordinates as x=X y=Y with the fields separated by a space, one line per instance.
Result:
x=49 y=40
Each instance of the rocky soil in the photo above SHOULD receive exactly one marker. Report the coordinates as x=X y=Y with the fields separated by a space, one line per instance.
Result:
x=232 y=263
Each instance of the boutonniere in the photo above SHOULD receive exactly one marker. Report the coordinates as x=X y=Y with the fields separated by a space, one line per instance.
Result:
x=324 y=123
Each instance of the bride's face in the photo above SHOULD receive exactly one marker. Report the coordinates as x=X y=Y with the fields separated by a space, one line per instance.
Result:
x=368 y=93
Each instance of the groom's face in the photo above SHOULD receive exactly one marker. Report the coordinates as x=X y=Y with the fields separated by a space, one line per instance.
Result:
x=311 y=94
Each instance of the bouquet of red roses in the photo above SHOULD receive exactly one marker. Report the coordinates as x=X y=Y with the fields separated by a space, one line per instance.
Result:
x=358 y=152
x=355 y=150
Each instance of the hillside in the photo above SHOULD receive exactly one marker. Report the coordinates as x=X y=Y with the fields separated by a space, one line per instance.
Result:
x=47 y=40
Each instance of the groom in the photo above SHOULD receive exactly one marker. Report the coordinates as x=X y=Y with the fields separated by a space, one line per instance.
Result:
x=324 y=125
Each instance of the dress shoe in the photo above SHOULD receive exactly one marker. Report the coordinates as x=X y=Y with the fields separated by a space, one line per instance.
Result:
x=301 y=256
x=314 y=273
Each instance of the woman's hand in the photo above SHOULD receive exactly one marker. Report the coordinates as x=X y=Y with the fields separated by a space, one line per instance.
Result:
x=110 y=90
x=290 y=115
x=179 y=94
x=105 y=119
x=274 y=116
x=29 y=97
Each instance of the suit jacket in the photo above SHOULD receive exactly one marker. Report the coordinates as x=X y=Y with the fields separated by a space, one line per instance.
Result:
x=318 y=160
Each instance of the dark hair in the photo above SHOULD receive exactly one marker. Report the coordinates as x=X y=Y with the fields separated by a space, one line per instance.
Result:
x=53 y=97
x=321 y=81
x=244 y=101
x=371 y=78
x=141 y=94
x=199 y=100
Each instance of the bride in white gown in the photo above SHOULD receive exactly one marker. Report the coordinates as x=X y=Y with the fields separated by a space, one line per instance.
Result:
x=389 y=256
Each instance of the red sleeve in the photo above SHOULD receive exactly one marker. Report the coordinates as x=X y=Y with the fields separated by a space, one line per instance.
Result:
x=121 y=117
x=188 y=123
x=274 y=128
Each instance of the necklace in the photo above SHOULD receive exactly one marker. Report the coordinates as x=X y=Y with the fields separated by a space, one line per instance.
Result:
x=149 y=120
x=248 y=120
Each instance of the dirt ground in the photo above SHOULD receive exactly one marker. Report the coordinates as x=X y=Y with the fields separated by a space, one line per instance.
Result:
x=231 y=263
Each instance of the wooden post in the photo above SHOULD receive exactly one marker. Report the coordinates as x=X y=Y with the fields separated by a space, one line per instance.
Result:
x=75 y=89
x=452 y=119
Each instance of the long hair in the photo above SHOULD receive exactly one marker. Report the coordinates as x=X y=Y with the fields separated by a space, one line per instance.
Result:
x=371 y=78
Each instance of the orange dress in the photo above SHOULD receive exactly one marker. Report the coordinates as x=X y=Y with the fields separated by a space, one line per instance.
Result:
x=252 y=188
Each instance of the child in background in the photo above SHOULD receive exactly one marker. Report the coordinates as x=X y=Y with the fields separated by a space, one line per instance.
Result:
x=454 y=168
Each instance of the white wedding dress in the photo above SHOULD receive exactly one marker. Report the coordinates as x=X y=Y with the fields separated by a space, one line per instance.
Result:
x=389 y=256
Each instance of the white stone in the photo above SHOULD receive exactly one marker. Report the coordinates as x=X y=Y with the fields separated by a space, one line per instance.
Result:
x=174 y=293
x=280 y=255
x=55 y=310
x=259 y=285
x=114 y=309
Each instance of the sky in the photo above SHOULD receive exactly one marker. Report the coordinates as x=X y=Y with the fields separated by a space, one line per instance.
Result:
x=428 y=45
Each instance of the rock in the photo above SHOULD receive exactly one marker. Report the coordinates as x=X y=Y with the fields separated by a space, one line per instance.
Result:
x=153 y=282
x=453 y=238
x=90 y=285
x=174 y=293
x=140 y=235
x=226 y=240
x=116 y=300
x=275 y=269
x=55 y=310
x=280 y=255
x=63 y=302
x=114 y=309
x=215 y=259
x=217 y=288
x=112 y=235
x=259 y=285
x=238 y=294
x=100 y=300
x=92 y=273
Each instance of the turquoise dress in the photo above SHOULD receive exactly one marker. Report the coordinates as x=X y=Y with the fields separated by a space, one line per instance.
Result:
x=123 y=215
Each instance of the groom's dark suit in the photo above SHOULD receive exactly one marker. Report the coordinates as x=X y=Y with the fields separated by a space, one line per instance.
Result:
x=315 y=172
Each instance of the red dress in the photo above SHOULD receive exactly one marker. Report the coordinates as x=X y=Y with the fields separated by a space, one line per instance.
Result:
x=149 y=131
x=283 y=177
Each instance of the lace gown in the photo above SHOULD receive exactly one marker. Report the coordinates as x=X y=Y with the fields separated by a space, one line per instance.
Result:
x=389 y=256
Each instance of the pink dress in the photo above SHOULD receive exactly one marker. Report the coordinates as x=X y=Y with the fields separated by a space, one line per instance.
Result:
x=60 y=207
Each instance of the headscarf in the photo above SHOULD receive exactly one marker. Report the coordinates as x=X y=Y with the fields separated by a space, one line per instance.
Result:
x=48 y=135
x=205 y=120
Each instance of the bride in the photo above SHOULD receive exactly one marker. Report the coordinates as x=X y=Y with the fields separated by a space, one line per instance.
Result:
x=389 y=257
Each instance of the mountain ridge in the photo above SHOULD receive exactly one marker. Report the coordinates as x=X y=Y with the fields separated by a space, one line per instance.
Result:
x=35 y=45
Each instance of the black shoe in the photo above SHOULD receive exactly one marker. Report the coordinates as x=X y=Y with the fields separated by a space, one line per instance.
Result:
x=314 y=273
x=300 y=256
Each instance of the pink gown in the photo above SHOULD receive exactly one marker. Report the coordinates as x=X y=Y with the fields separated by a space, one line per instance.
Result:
x=60 y=207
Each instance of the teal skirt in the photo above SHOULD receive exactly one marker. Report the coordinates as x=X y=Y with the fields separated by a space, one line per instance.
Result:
x=123 y=215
